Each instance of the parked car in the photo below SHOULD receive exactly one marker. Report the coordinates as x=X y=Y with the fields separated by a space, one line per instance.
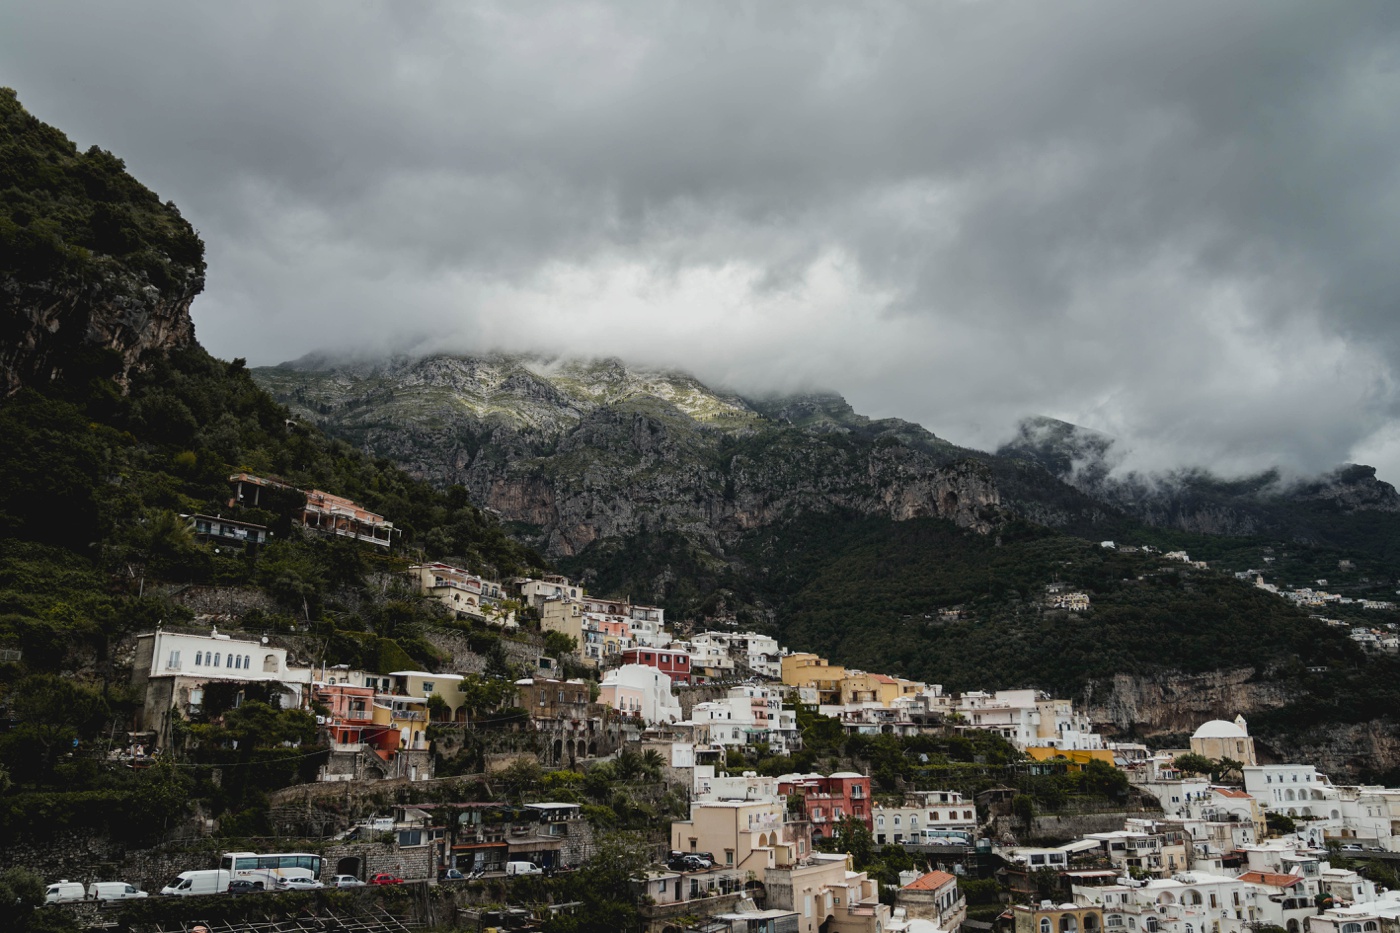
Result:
x=64 y=892
x=523 y=868
x=113 y=891
x=346 y=881
x=451 y=874
x=298 y=884
x=244 y=886
x=384 y=877
x=689 y=863
x=1352 y=847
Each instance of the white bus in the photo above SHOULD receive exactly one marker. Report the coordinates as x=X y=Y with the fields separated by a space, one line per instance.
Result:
x=269 y=869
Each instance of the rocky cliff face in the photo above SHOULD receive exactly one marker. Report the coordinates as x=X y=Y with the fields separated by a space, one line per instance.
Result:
x=95 y=271
x=1168 y=703
x=583 y=452
x=51 y=323
x=1195 y=500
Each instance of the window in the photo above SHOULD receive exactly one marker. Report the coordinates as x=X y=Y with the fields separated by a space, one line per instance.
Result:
x=199 y=659
x=1212 y=900
x=896 y=820
x=1045 y=925
x=427 y=688
x=880 y=822
x=174 y=662
x=216 y=659
x=967 y=814
x=228 y=661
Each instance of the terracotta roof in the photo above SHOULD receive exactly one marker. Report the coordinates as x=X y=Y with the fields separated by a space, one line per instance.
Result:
x=1271 y=879
x=1231 y=792
x=930 y=882
x=882 y=679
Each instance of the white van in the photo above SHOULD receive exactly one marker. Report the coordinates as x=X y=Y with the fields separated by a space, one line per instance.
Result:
x=63 y=892
x=188 y=883
x=523 y=868
x=113 y=891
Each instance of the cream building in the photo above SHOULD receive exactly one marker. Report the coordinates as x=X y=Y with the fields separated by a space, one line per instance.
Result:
x=1219 y=739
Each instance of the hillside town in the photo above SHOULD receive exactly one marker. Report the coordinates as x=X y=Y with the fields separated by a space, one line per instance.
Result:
x=1206 y=838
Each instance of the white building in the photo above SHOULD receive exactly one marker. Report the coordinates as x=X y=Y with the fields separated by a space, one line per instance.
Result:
x=1293 y=790
x=642 y=691
x=172 y=669
x=1028 y=718
x=926 y=818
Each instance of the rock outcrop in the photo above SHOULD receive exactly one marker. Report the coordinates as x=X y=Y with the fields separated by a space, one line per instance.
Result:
x=50 y=324
x=95 y=271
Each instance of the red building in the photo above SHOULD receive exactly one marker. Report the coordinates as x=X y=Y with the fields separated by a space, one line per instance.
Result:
x=826 y=801
x=674 y=663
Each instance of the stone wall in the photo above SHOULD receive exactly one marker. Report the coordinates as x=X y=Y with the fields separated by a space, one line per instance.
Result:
x=77 y=856
x=224 y=604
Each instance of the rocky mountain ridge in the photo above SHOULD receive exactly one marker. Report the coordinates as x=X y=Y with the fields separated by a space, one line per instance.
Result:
x=554 y=445
x=1195 y=500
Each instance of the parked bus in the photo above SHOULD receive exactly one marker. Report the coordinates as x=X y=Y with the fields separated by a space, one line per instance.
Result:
x=269 y=869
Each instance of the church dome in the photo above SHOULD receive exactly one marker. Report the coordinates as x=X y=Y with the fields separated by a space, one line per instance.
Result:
x=1220 y=729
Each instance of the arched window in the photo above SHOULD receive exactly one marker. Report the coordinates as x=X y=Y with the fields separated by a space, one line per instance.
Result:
x=1068 y=924
x=237 y=662
x=1293 y=926
x=216 y=659
x=228 y=661
x=1351 y=928
x=1091 y=924
x=1191 y=897
x=1370 y=926
x=199 y=659
x=1113 y=920
x=1150 y=924
x=247 y=662
x=1045 y=925
x=880 y=822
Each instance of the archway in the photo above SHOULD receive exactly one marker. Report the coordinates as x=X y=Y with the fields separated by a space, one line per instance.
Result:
x=350 y=865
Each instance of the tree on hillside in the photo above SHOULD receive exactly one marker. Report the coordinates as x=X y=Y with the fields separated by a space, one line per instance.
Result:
x=1195 y=764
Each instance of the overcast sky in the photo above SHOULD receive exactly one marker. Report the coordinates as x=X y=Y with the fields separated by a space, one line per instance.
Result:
x=1174 y=222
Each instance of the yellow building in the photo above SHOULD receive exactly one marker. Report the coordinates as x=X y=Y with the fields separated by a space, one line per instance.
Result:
x=422 y=684
x=566 y=617
x=1076 y=758
x=860 y=687
x=407 y=715
x=1065 y=919
x=809 y=670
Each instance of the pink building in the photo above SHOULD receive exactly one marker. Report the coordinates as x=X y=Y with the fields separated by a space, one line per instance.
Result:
x=827 y=801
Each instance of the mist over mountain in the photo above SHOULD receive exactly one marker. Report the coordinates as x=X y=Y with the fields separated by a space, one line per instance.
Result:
x=1302 y=508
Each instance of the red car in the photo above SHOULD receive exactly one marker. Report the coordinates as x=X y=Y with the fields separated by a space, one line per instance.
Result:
x=384 y=878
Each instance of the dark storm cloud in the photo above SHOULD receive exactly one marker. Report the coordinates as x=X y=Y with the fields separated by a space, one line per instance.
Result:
x=1172 y=221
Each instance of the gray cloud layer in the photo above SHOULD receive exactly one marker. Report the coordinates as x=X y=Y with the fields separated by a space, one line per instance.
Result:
x=1173 y=222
